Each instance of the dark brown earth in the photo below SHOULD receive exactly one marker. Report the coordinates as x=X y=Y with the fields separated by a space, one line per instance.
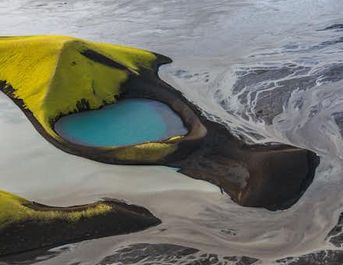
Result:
x=269 y=176
x=33 y=234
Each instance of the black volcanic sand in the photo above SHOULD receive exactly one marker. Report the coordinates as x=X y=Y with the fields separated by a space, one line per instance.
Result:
x=269 y=176
x=273 y=177
x=34 y=234
x=336 y=234
x=169 y=254
x=147 y=254
x=323 y=257
x=175 y=254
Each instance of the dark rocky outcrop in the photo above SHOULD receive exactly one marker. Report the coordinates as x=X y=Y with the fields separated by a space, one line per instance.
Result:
x=64 y=225
x=269 y=176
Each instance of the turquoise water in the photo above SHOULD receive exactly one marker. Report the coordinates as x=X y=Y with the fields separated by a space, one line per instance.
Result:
x=127 y=122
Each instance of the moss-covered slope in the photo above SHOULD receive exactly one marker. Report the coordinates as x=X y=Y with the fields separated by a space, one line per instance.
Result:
x=14 y=209
x=52 y=73
x=26 y=225
x=53 y=76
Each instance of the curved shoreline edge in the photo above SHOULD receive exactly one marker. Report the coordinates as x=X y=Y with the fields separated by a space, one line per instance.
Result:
x=53 y=76
x=26 y=225
x=269 y=176
x=273 y=177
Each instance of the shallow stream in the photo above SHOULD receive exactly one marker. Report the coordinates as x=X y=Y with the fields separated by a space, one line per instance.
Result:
x=269 y=70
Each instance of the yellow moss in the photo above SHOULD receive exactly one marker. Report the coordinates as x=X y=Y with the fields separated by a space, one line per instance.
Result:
x=14 y=209
x=146 y=152
x=176 y=137
x=50 y=75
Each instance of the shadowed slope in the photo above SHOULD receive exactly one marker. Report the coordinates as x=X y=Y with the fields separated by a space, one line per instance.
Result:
x=26 y=225
x=66 y=75
x=53 y=76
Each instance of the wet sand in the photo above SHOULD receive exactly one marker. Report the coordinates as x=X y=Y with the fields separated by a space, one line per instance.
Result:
x=215 y=48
